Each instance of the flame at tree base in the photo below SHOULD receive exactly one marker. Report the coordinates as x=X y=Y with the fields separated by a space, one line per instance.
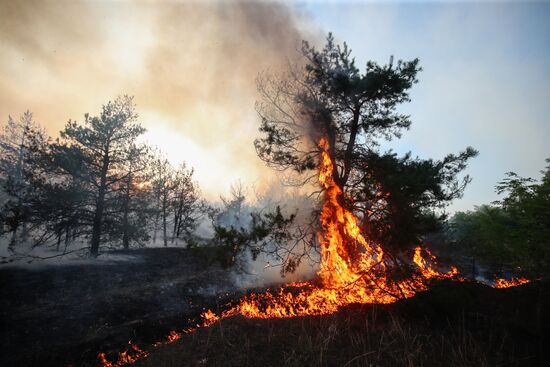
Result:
x=343 y=279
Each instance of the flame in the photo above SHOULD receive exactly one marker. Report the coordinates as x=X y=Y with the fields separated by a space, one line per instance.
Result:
x=173 y=336
x=129 y=356
x=352 y=270
x=514 y=282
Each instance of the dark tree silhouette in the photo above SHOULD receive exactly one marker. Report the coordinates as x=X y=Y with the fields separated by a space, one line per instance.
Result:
x=14 y=171
x=96 y=153
x=186 y=205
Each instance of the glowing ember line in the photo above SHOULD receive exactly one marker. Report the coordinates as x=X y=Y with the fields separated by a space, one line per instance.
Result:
x=514 y=282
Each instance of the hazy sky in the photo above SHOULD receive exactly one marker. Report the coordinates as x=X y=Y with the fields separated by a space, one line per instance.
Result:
x=191 y=67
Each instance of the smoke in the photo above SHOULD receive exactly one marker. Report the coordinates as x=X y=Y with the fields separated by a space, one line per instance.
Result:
x=191 y=67
x=265 y=269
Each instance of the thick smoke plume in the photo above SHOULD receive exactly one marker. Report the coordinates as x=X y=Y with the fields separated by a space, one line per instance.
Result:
x=191 y=65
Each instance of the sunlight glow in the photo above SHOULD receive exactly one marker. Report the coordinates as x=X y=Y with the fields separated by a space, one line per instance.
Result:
x=212 y=172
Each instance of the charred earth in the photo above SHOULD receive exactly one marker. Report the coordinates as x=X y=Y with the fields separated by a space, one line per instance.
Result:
x=59 y=315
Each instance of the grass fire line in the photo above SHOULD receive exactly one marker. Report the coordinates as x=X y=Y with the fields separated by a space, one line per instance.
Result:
x=343 y=279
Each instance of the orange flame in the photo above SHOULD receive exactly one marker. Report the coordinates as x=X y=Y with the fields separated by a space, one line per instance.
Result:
x=346 y=278
x=129 y=356
x=514 y=282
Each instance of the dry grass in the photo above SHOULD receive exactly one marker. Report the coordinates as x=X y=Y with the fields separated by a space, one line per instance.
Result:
x=356 y=336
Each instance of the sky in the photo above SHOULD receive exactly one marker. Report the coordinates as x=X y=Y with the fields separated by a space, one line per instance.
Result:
x=485 y=81
x=192 y=67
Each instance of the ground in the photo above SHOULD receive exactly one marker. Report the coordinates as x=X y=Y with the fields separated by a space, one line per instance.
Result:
x=55 y=315
x=65 y=315
x=452 y=324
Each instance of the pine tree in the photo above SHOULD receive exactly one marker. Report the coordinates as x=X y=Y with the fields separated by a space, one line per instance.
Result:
x=96 y=153
x=329 y=97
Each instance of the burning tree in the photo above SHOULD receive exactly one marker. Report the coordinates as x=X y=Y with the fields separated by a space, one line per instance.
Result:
x=323 y=122
x=330 y=99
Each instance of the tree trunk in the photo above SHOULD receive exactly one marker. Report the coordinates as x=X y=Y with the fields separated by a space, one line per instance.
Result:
x=125 y=235
x=164 y=223
x=100 y=203
x=58 y=246
x=96 y=228
x=156 y=225
x=67 y=237
x=178 y=219
x=125 y=224
x=11 y=246
x=175 y=226
x=349 y=149
x=473 y=268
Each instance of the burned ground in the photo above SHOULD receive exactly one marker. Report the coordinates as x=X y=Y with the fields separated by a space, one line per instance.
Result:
x=56 y=315
x=64 y=315
x=452 y=324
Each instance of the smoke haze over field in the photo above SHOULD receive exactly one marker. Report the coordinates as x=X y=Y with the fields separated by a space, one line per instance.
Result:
x=191 y=67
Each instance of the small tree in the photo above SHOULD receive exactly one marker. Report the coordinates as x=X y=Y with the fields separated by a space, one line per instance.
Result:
x=131 y=203
x=14 y=172
x=95 y=153
x=513 y=232
x=186 y=205
x=481 y=234
x=528 y=205
x=163 y=185
x=59 y=205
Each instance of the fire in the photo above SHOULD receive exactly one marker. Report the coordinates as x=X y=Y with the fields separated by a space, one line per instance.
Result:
x=352 y=270
x=514 y=282
x=345 y=278
x=173 y=336
x=426 y=270
x=129 y=356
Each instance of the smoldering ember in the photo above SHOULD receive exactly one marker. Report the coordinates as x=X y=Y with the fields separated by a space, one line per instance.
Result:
x=255 y=183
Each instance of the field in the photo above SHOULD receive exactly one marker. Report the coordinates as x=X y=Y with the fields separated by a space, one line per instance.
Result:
x=453 y=324
x=59 y=315
x=55 y=315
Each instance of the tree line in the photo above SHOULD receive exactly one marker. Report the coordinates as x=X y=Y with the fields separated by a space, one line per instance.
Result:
x=94 y=182
x=512 y=233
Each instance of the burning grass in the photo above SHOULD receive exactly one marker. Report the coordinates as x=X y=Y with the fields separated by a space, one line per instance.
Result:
x=452 y=324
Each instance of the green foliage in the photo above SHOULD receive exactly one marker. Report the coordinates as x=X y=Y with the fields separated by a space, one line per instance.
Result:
x=94 y=181
x=17 y=190
x=186 y=204
x=97 y=155
x=330 y=98
x=483 y=234
x=515 y=230
x=263 y=231
x=397 y=196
